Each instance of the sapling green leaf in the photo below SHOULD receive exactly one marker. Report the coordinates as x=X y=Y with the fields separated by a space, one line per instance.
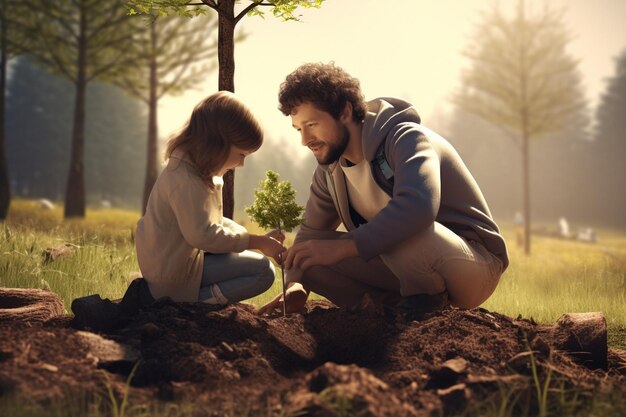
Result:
x=275 y=207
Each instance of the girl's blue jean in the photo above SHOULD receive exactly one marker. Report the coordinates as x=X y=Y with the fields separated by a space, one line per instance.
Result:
x=239 y=276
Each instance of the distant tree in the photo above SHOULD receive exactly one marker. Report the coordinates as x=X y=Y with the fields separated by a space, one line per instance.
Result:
x=39 y=126
x=81 y=40
x=557 y=182
x=522 y=80
x=115 y=133
x=227 y=20
x=610 y=146
x=10 y=39
x=168 y=53
x=38 y=129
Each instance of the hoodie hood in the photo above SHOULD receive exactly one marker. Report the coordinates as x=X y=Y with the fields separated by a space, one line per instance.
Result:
x=384 y=114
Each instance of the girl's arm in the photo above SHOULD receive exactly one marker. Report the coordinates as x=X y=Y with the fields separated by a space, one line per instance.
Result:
x=194 y=206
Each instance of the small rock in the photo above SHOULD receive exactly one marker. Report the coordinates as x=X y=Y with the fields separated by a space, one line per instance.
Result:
x=497 y=380
x=447 y=374
x=52 y=254
x=48 y=367
x=107 y=351
x=457 y=365
x=45 y=204
x=226 y=351
x=150 y=331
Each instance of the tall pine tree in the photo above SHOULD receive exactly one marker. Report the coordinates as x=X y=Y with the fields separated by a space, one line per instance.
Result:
x=610 y=148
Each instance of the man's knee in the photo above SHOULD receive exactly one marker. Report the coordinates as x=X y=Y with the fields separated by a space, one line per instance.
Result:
x=313 y=278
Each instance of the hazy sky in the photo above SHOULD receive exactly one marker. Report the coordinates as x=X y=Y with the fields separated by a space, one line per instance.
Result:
x=407 y=48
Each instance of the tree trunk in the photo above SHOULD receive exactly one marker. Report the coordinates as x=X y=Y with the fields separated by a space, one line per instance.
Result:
x=75 y=192
x=226 y=59
x=526 y=191
x=151 y=162
x=5 y=188
x=583 y=336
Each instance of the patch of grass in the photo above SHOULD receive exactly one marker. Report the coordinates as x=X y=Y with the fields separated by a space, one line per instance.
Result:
x=546 y=394
x=510 y=401
x=566 y=277
x=104 y=258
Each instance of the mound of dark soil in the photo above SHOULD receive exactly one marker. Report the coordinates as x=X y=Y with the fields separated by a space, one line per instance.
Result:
x=325 y=362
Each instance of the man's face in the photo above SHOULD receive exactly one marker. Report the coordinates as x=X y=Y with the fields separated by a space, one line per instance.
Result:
x=325 y=136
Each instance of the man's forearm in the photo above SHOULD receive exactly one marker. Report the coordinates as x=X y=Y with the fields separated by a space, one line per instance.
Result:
x=348 y=248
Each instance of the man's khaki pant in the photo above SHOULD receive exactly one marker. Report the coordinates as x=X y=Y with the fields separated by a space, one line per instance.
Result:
x=432 y=262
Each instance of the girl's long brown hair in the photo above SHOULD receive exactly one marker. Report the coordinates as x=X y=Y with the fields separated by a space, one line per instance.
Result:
x=216 y=123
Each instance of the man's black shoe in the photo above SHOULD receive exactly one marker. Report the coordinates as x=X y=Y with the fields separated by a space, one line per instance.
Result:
x=418 y=305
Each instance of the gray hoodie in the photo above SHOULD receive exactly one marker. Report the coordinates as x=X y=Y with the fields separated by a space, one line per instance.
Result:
x=431 y=183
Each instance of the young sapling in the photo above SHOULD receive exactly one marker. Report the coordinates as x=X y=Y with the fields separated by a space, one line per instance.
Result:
x=275 y=207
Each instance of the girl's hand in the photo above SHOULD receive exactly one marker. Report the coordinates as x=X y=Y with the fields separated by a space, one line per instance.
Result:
x=276 y=234
x=267 y=245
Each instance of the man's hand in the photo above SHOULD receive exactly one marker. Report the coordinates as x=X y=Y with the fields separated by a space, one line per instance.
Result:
x=304 y=255
x=296 y=298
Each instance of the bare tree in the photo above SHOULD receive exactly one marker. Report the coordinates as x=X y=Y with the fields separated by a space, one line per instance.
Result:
x=522 y=79
x=228 y=18
x=171 y=56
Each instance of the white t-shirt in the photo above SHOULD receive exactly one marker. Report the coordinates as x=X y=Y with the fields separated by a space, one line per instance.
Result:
x=365 y=196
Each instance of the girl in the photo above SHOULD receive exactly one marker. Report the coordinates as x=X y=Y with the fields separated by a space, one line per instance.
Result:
x=186 y=249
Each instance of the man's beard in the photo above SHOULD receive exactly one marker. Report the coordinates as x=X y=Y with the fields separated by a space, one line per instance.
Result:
x=335 y=150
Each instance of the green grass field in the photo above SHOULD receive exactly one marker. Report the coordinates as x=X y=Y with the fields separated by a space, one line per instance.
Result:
x=559 y=277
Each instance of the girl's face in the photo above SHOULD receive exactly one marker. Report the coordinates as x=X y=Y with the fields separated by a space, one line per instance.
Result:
x=234 y=160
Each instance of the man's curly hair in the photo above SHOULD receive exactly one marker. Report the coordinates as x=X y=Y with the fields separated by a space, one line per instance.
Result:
x=327 y=86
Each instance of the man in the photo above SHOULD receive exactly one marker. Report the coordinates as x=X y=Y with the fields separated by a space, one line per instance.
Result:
x=419 y=232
